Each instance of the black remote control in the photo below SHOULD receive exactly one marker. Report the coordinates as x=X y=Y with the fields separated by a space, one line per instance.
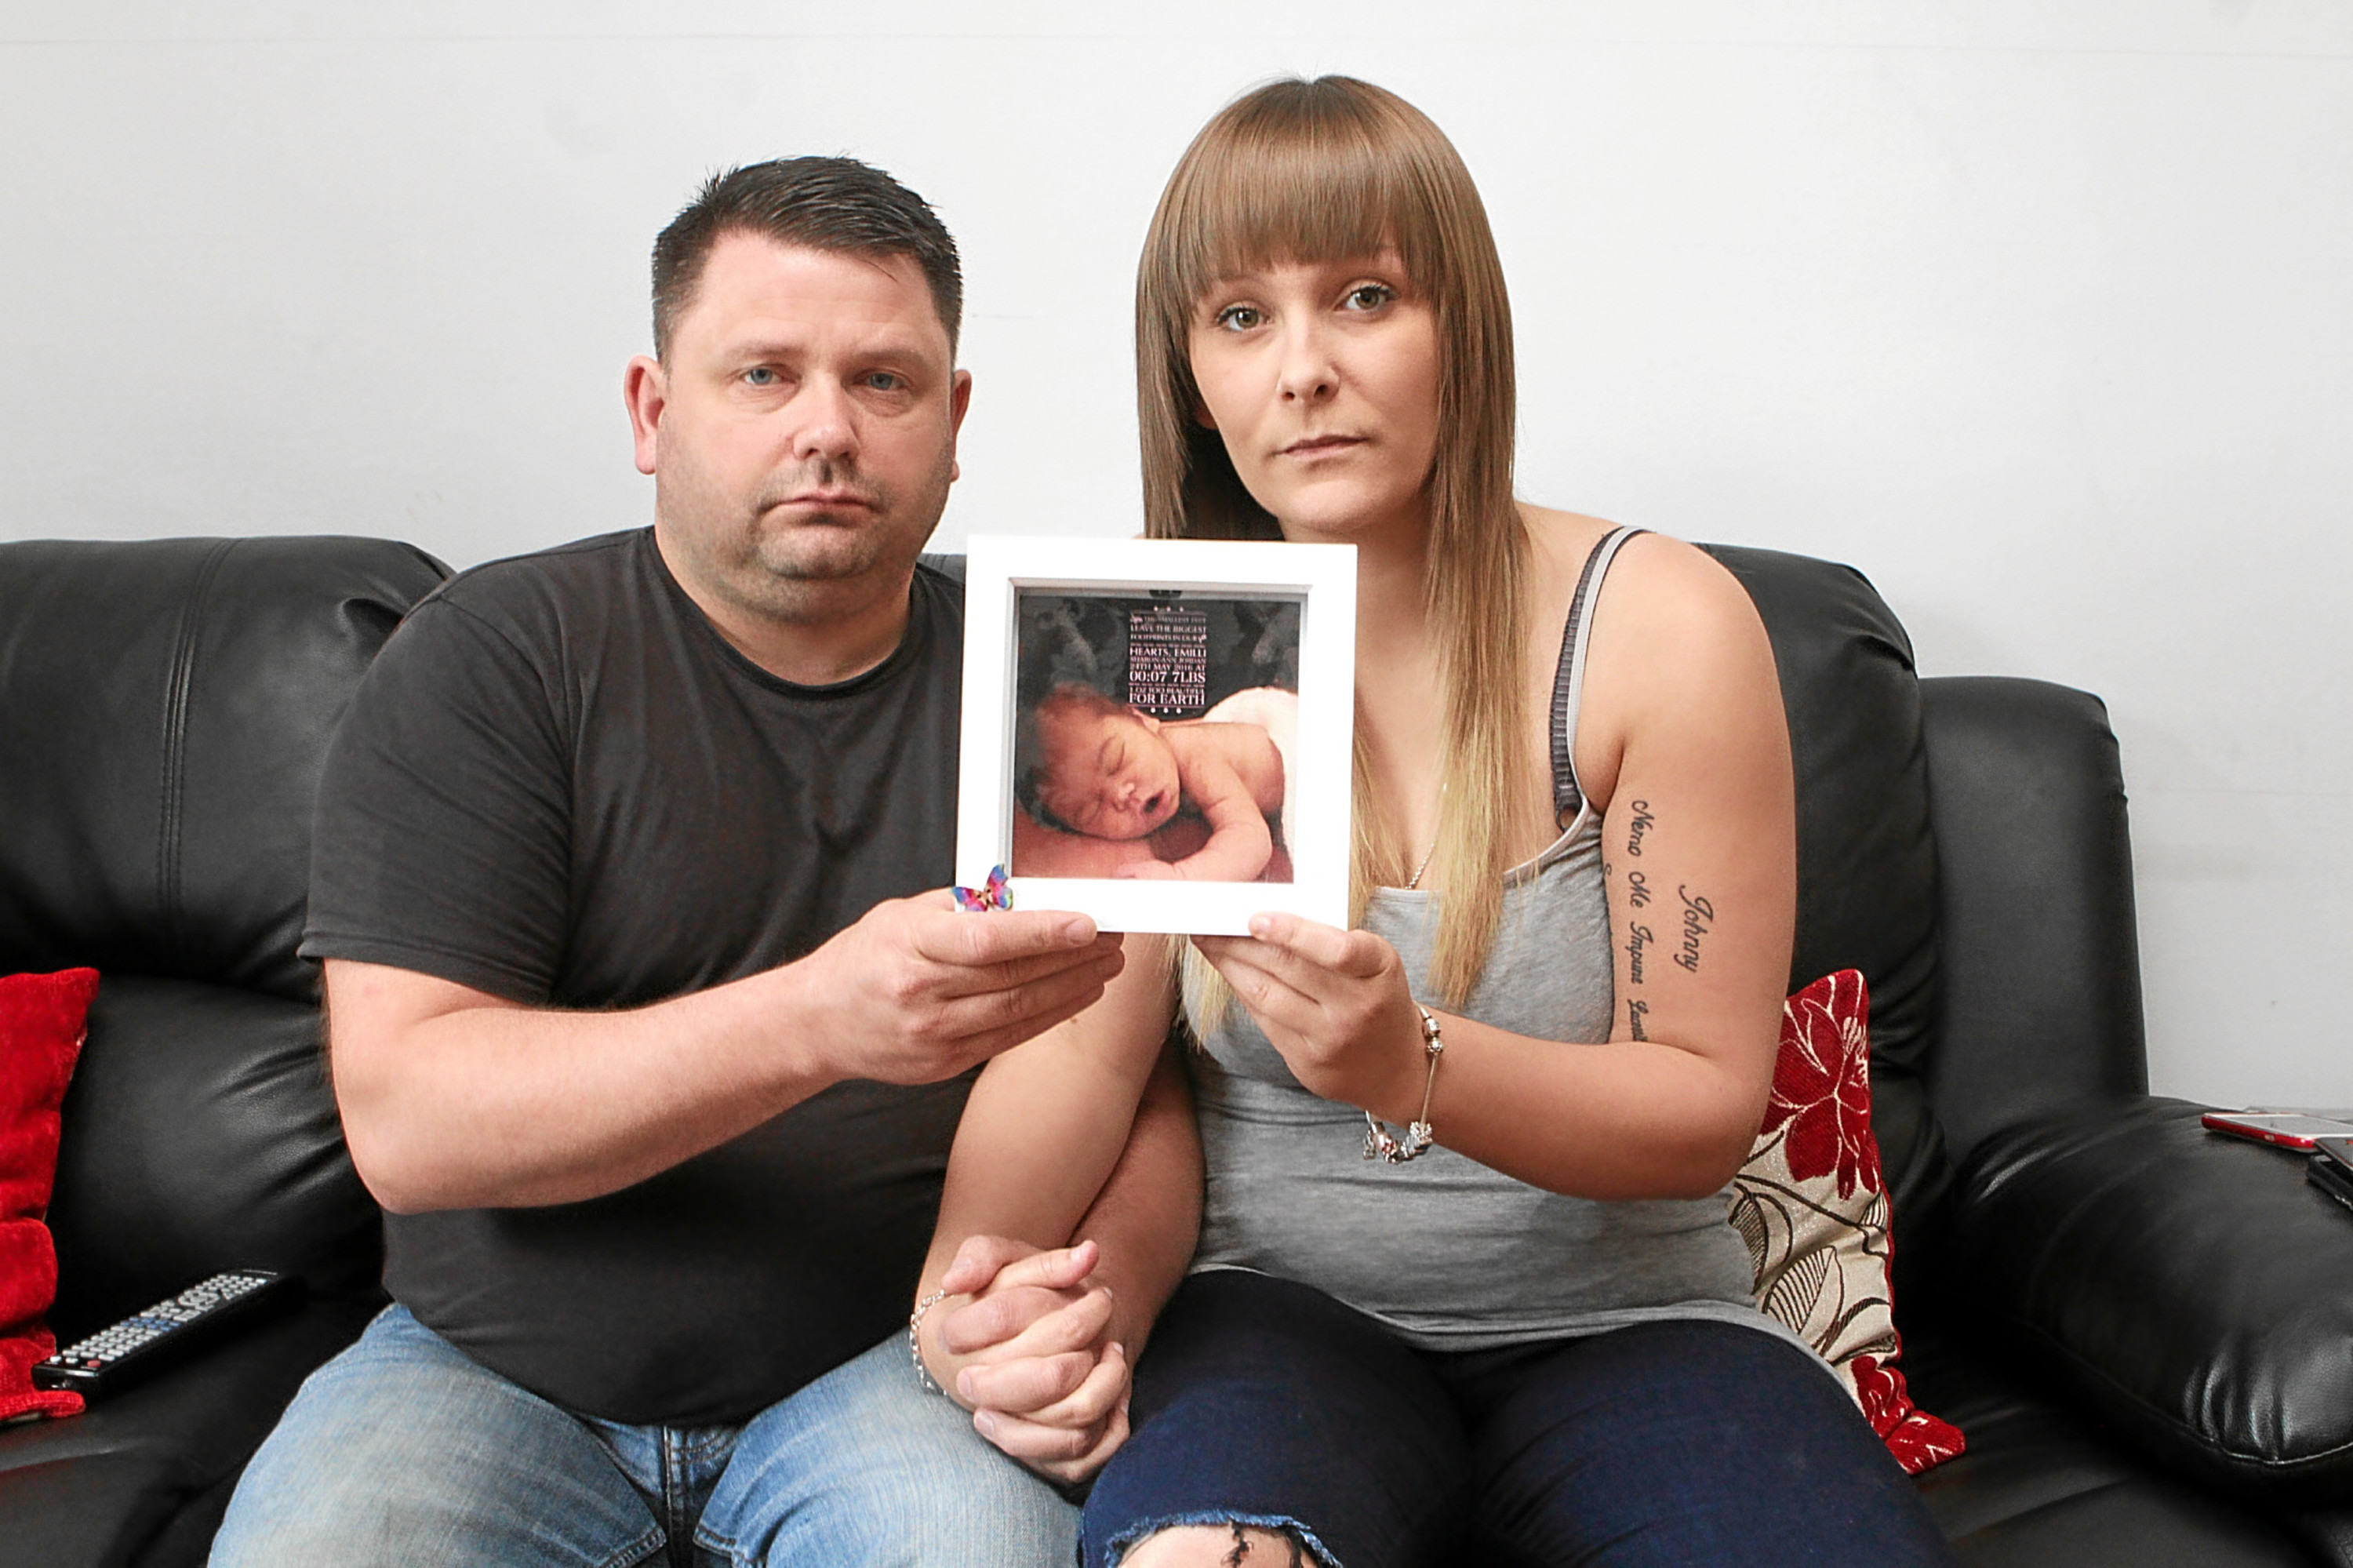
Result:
x=141 y=1343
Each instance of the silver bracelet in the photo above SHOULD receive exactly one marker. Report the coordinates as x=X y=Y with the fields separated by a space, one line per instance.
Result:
x=914 y=1341
x=1378 y=1142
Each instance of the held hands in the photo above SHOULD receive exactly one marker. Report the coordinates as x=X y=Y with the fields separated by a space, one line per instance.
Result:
x=1334 y=1003
x=918 y=991
x=1021 y=1340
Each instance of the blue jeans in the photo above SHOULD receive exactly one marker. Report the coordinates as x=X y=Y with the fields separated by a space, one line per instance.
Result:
x=403 y=1450
x=1264 y=1402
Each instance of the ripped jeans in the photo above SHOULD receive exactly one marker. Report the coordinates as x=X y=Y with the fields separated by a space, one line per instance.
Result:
x=1268 y=1403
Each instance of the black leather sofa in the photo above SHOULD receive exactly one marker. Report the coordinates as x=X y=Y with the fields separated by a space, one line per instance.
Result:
x=2146 y=1332
x=165 y=708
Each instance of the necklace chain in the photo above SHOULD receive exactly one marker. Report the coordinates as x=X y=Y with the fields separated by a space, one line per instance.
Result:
x=1415 y=879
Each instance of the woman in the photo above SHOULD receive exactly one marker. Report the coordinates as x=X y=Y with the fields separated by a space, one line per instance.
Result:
x=1526 y=1325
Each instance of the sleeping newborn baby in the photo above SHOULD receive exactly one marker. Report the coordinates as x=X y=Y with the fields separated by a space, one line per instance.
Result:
x=1085 y=764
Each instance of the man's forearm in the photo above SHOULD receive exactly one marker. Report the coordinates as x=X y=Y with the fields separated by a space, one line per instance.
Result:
x=1148 y=1215
x=451 y=1098
x=454 y=1099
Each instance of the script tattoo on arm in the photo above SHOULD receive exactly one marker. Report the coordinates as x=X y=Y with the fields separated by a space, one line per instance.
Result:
x=1643 y=823
x=1698 y=917
x=1639 y=936
x=1698 y=920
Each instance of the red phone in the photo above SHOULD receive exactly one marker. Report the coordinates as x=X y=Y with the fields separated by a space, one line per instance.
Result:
x=2288 y=1129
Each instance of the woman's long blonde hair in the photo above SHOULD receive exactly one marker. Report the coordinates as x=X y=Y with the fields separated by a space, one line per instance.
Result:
x=1324 y=170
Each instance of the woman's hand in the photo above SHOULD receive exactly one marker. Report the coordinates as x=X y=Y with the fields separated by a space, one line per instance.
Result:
x=1334 y=1003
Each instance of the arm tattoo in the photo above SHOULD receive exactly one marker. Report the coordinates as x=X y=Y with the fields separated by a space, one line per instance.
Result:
x=1643 y=823
x=1635 y=1008
x=1637 y=937
x=1697 y=913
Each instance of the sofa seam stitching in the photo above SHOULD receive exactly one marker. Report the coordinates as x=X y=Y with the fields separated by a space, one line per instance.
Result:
x=180 y=683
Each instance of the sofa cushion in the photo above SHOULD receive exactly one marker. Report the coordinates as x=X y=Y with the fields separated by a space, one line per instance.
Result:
x=180 y=694
x=86 y=1513
x=41 y=1023
x=2042 y=1485
x=1811 y=1204
x=141 y=1476
x=2190 y=1288
x=2041 y=1005
x=1866 y=861
x=200 y=1135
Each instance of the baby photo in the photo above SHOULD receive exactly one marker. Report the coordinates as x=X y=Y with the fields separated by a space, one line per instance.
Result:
x=1155 y=737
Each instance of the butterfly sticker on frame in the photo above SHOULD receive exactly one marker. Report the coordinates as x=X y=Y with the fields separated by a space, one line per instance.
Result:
x=994 y=893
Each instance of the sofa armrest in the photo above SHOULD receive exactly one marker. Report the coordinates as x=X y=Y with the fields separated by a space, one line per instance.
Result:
x=2193 y=1289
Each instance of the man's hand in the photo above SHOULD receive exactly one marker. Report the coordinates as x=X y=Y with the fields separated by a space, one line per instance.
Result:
x=918 y=990
x=1021 y=1343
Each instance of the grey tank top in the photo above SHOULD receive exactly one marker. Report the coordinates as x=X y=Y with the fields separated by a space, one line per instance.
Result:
x=1451 y=1254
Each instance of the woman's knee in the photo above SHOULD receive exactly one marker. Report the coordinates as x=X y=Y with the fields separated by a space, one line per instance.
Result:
x=1231 y=1544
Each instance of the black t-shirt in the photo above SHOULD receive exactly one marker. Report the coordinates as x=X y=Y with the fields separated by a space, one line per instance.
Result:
x=559 y=784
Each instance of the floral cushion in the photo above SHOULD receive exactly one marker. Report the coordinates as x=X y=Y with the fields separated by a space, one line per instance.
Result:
x=1812 y=1207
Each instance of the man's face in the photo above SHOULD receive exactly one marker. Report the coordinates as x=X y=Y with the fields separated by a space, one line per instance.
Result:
x=801 y=430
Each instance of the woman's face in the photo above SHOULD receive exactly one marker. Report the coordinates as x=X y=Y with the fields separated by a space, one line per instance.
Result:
x=1322 y=377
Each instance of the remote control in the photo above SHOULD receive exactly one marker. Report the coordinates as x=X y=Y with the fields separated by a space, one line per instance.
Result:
x=111 y=1358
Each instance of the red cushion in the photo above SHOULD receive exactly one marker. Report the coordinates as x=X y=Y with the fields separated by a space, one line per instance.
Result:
x=1812 y=1207
x=41 y=1027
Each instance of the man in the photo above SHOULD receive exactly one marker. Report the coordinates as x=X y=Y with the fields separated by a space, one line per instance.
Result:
x=650 y=1021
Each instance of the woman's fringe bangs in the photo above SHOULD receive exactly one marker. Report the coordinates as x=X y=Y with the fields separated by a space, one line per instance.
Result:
x=1285 y=191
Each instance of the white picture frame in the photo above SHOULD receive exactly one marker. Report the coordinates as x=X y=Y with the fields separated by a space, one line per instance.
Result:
x=1027 y=601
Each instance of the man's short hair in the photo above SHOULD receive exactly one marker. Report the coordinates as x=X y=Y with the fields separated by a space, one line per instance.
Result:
x=825 y=204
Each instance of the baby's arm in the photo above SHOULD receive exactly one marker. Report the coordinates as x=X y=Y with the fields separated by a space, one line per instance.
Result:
x=1241 y=844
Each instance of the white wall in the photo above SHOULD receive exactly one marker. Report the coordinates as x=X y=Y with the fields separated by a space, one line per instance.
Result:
x=2043 y=314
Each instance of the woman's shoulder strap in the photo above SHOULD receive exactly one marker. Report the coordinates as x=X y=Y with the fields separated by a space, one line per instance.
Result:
x=1568 y=685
